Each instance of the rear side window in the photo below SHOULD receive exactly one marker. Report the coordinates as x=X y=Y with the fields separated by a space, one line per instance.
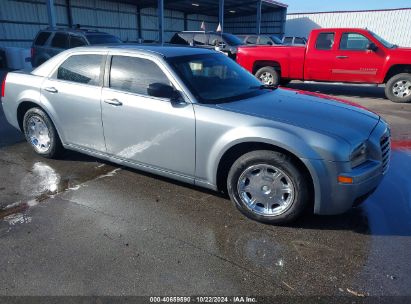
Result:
x=42 y=38
x=325 y=41
x=265 y=40
x=181 y=38
x=60 y=40
x=353 y=41
x=83 y=69
x=200 y=39
x=76 y=41
x=252 y=40
x=288 y=40
x=299 y=40
x=132 y=74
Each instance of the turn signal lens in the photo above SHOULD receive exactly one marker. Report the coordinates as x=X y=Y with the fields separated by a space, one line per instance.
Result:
x=345 y=180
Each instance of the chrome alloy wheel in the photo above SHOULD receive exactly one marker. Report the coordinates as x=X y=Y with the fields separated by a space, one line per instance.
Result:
x=402 y=88
x=38 y=134
x=267 y=78
x=266 y=190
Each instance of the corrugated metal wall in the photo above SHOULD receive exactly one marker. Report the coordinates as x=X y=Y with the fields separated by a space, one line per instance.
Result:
x=392 y=25
x=20 y=20
x=271 y=23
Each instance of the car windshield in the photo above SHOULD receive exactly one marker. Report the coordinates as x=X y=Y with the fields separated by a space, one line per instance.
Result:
x=232 y=40
x=215 y=78
x=102 y=39
x=383 y=41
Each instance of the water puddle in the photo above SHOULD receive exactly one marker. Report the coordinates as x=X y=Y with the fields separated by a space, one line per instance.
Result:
x=43 y=182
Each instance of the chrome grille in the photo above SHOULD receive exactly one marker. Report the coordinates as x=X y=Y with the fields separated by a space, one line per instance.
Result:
x=385 y=144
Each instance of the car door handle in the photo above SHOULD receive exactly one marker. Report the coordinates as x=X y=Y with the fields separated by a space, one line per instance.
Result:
x=114 y=102
x=51 y=90
x=341 y=57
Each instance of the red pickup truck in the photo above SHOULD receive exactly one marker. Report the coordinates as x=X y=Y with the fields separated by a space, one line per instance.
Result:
x=334 y=55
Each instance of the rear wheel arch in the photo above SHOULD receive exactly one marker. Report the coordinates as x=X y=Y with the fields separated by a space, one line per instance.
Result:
x=266 y=63
x=238 y=150
x=22 y=109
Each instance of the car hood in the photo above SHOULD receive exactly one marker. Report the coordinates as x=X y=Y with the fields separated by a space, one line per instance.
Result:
x=320 y=113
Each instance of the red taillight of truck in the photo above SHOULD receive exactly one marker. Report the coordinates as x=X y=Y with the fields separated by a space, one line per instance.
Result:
x=3 y=86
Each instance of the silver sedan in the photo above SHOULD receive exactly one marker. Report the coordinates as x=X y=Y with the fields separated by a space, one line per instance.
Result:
x=196 y=116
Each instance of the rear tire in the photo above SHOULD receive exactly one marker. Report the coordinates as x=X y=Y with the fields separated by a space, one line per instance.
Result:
x=398 y=88
x=268 y=75
x=268 y=187
x=41 y=134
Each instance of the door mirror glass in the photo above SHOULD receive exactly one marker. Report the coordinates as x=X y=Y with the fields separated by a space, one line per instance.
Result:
x=163 y=91
x=372 y=47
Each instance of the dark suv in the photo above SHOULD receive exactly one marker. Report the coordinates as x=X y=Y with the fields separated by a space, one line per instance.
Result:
x=50 y=42
x=226 y=43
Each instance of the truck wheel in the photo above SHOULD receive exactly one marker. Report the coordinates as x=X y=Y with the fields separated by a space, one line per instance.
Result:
x=267 y=186
x=398 y=88
x=41 y=134
x=268 y=75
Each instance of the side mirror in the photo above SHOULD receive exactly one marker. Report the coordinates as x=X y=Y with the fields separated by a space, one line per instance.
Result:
x=162 y=90
x=372 y=47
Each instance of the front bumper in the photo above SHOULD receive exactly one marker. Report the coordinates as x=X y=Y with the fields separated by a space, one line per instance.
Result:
x=333 y=197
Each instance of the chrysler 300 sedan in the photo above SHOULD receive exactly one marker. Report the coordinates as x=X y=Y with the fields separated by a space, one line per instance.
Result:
x=196 y=116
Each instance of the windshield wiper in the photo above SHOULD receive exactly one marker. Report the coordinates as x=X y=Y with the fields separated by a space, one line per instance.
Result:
x=265 y=87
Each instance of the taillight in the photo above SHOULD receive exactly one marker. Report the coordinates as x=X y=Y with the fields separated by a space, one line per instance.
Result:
x=3 y=86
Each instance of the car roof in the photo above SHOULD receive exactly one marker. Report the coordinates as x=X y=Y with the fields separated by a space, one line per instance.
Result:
x=159 y=50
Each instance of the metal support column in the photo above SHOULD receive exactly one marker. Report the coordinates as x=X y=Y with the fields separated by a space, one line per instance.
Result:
x=161 y=21
x=258 y=22
x=221 y=14
x=51 y=12
x=139 y=29
x=69 y=13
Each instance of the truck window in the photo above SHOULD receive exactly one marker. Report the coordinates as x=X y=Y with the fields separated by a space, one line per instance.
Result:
x=325 y=41
x=76 y=41
x=60 y=40
x=81 y=69
x=42 y=38
x=353 y=41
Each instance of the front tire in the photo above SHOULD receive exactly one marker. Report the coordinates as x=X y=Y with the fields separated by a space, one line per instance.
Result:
x=398 y=88
x=41 y=134
x=268 y=187
x=268 y=76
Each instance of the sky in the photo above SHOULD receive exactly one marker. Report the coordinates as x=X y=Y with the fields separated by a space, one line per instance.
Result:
x=297 y=6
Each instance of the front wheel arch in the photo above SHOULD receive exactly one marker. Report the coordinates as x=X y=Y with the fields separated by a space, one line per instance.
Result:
x=236 y=151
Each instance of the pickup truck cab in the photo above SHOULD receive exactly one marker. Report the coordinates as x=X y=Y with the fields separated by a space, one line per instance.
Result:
x=335 y=55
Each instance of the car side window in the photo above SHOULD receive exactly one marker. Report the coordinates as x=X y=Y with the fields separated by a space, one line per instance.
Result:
x=288 y=40
x=264 y=40
x=83 y=69
x=42 y=38
x=76 y=41
x=325 y=41
x=299 y=40
x=354 y=41
x=60 y=40
x=214 y=39
x=200 y=39
x=252 y=40
x=134 y=75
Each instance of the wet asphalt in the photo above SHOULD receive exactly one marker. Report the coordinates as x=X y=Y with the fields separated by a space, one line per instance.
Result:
x=80 y=226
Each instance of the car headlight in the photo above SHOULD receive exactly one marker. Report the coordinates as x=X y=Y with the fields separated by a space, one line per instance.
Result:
x=359 y=155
